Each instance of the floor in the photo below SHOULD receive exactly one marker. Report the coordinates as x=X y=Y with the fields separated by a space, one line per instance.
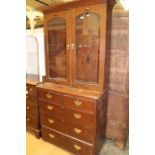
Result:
x=36 y=146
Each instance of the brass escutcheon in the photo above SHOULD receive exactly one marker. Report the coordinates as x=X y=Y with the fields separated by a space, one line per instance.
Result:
x=51 y=121
x=49 y=107
x=51 y=135
x=77 y=116
x=77 y=130
x=78 y=103
x=77 y=147
x=49 y=95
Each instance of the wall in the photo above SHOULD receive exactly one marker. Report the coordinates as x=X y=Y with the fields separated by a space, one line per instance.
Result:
x=118 y=101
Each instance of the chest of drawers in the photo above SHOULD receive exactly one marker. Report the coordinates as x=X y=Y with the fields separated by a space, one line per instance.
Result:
x=32 y=113
x=72 y=119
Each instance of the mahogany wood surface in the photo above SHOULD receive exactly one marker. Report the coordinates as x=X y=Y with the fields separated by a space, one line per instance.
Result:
x=67 y=142
x=62 y=15
x=75 y=117
x=32 y=79
x=101 y=11
x=32 y=113
x=83 y=124
x=70 y=129
x=73 y=108
x=86 y=63
x=74 y=4
x=31 y=109
x=52 y=87
x=32 y=122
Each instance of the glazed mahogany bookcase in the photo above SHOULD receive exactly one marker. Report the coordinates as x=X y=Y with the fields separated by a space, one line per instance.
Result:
x=72 y=100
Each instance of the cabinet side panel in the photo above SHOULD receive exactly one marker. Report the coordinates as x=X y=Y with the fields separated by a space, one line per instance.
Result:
x=108 y=46
x=101 y=117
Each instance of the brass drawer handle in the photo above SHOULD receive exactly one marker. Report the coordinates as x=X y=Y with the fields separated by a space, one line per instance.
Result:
x=49 y=95
x=67 y=46
x=77 y=116
x=72 y=46
x=28 y=119
x=28 y=108
x=77 y=147
x=78 y=103
x=87 y=9
x=51 y=121
x=77 y=130
x=51 y=135
x=49 y=107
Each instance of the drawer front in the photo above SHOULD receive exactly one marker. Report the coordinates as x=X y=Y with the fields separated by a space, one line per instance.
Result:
x=79 y=103
x=30 y=90
x=79 y=117
x=32 y=122
x=69 y=115
x=79 y=132
x=31 y=109
x=51 y=121
x=50 y=108
x=79 y=148
x=72 y=129
x=67 y=143
x=50 y=96
x=31 y=99
x=54 y=137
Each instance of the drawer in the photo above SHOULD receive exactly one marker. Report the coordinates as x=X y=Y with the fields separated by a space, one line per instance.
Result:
x=51 y=121
x=53 y=137
x=61 y=125
x=79 y=148
x=50 y=96
x=68 y=143
x=32 y=122
x=79 y=117
x=79 y=132
x=31 y=109
x=69 y=115
x=30 y=90
x=50 y=108
x=79 y=103
x=31 y=99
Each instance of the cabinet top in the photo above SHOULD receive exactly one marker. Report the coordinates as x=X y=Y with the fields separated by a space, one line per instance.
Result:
x=74 y=4
x=32 y=79
x=70 y=90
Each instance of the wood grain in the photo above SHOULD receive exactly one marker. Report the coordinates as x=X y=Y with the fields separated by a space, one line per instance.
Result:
x=32 y=111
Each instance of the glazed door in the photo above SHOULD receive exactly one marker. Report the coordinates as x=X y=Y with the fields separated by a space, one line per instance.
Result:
x=57 y=51
x=88 y=46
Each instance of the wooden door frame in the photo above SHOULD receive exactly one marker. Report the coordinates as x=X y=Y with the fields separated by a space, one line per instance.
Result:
x=101 y=10
x=48 y=17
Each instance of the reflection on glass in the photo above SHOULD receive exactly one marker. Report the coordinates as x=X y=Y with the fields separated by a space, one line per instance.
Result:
x=57 y=47
x=87 y=47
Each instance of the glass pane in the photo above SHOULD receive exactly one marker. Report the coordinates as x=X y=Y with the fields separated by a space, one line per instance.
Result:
x=87 y=47
x=57 y=48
